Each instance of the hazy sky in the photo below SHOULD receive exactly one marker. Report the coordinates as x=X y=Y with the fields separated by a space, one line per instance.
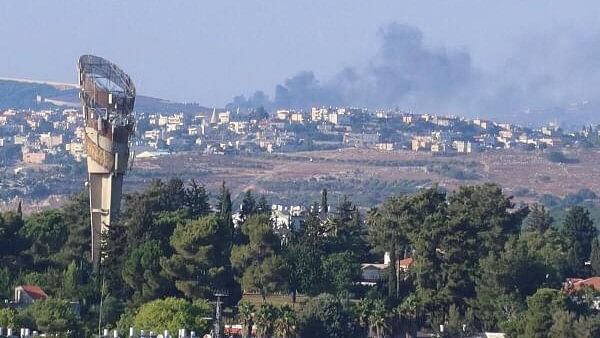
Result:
x=210 y=51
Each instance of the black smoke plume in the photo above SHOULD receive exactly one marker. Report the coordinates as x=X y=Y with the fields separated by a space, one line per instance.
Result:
x=549 y=75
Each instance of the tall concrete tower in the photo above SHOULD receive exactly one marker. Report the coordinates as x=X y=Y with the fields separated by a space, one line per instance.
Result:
x=107 y=97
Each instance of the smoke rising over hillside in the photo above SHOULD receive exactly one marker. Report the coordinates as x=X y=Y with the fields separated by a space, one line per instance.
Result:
x=545 y=73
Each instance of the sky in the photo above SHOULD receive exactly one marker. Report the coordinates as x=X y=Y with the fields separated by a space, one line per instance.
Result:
x=210 y=51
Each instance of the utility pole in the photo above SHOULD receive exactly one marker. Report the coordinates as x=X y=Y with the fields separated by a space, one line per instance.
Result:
x=217 y=325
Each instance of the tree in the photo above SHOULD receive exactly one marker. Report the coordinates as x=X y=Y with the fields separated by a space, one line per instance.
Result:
x=200 y=265
x=428 y=216
x=562 y=326
x=378 y=319
x=540 y=308
x=142 y=273
x=409 y=313
x=485 y=207
x=5 y=283
x=456 y=324
x=141 y=215
x=76 y=216
x=347 y=230
x=587 y=327
x=505 y=281
x=54 y=316
x=388 y=228
x=47 y=232
x=579 y=229
x=266 y=276
x=262 y=207
x=196 y=200
x=324 y=207
x=595 y=257
x=246 y=315
x=325 y=316
x=363 y=313
x=265 y=320
x=304 y=267
x=285 y=324
x=248 y=205
x=538 y=220
x=341 y=271
x=224 y=201
x=477 y=221
x=71 y=281
x=12 y=240
x=9 y=318
x=553 y=249
x=173 y=314
x=114 y=253
x=259 y=264
x=304 y=253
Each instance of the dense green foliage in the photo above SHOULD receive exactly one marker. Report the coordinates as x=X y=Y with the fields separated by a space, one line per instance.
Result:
x=173 y=314
x=479 y=263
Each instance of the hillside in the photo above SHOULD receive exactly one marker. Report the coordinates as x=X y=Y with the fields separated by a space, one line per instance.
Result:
x=22 y=94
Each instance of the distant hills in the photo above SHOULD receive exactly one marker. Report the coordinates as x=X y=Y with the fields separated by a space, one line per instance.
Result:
x=31 y=94
x=23 y=94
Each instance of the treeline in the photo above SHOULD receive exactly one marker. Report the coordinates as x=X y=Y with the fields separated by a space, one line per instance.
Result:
x=480 y=263
x=365 y=191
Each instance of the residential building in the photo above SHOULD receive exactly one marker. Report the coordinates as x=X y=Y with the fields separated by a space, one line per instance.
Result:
x=51 y=141
x=28 y=294
x=360 y=140
x=463 y=146
x=30 y=157
x=420 y=142
x=384 y=146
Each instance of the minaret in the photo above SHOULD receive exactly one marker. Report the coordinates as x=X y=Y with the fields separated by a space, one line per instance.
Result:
x=213 y=118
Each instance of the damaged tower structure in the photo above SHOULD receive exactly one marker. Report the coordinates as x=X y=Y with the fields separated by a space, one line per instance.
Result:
x=107 y=97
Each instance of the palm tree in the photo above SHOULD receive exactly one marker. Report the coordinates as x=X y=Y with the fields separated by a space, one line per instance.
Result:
x=378 y=318
x=285 y=324
x=363 y=311
x=246 y=315
x=409 y=311
x=265 y=319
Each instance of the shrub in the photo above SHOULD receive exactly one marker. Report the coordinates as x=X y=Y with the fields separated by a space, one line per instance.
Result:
x=173 y=314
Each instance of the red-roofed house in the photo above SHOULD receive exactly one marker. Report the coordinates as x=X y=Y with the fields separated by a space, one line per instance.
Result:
x=405 y=264
x=237 y=330
x=573 y=285
x=27 y=294
x=576 y=284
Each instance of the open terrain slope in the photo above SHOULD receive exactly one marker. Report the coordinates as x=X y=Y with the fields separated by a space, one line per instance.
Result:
x=366 y=176
x=370 y=175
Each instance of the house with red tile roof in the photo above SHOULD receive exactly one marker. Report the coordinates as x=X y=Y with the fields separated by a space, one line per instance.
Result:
x=27 y=294
x=405 y=264
x=578 y=284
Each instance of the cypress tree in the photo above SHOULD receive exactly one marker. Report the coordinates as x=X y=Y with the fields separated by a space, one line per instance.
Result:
x=324 y=205
x=579 y=229
x=538 y=220
x=595 y=257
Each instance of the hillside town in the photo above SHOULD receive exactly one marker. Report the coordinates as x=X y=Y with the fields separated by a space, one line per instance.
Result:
x=38 y=147
x=38 y=137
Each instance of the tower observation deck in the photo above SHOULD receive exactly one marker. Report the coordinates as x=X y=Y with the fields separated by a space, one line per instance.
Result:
x=107 y=97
